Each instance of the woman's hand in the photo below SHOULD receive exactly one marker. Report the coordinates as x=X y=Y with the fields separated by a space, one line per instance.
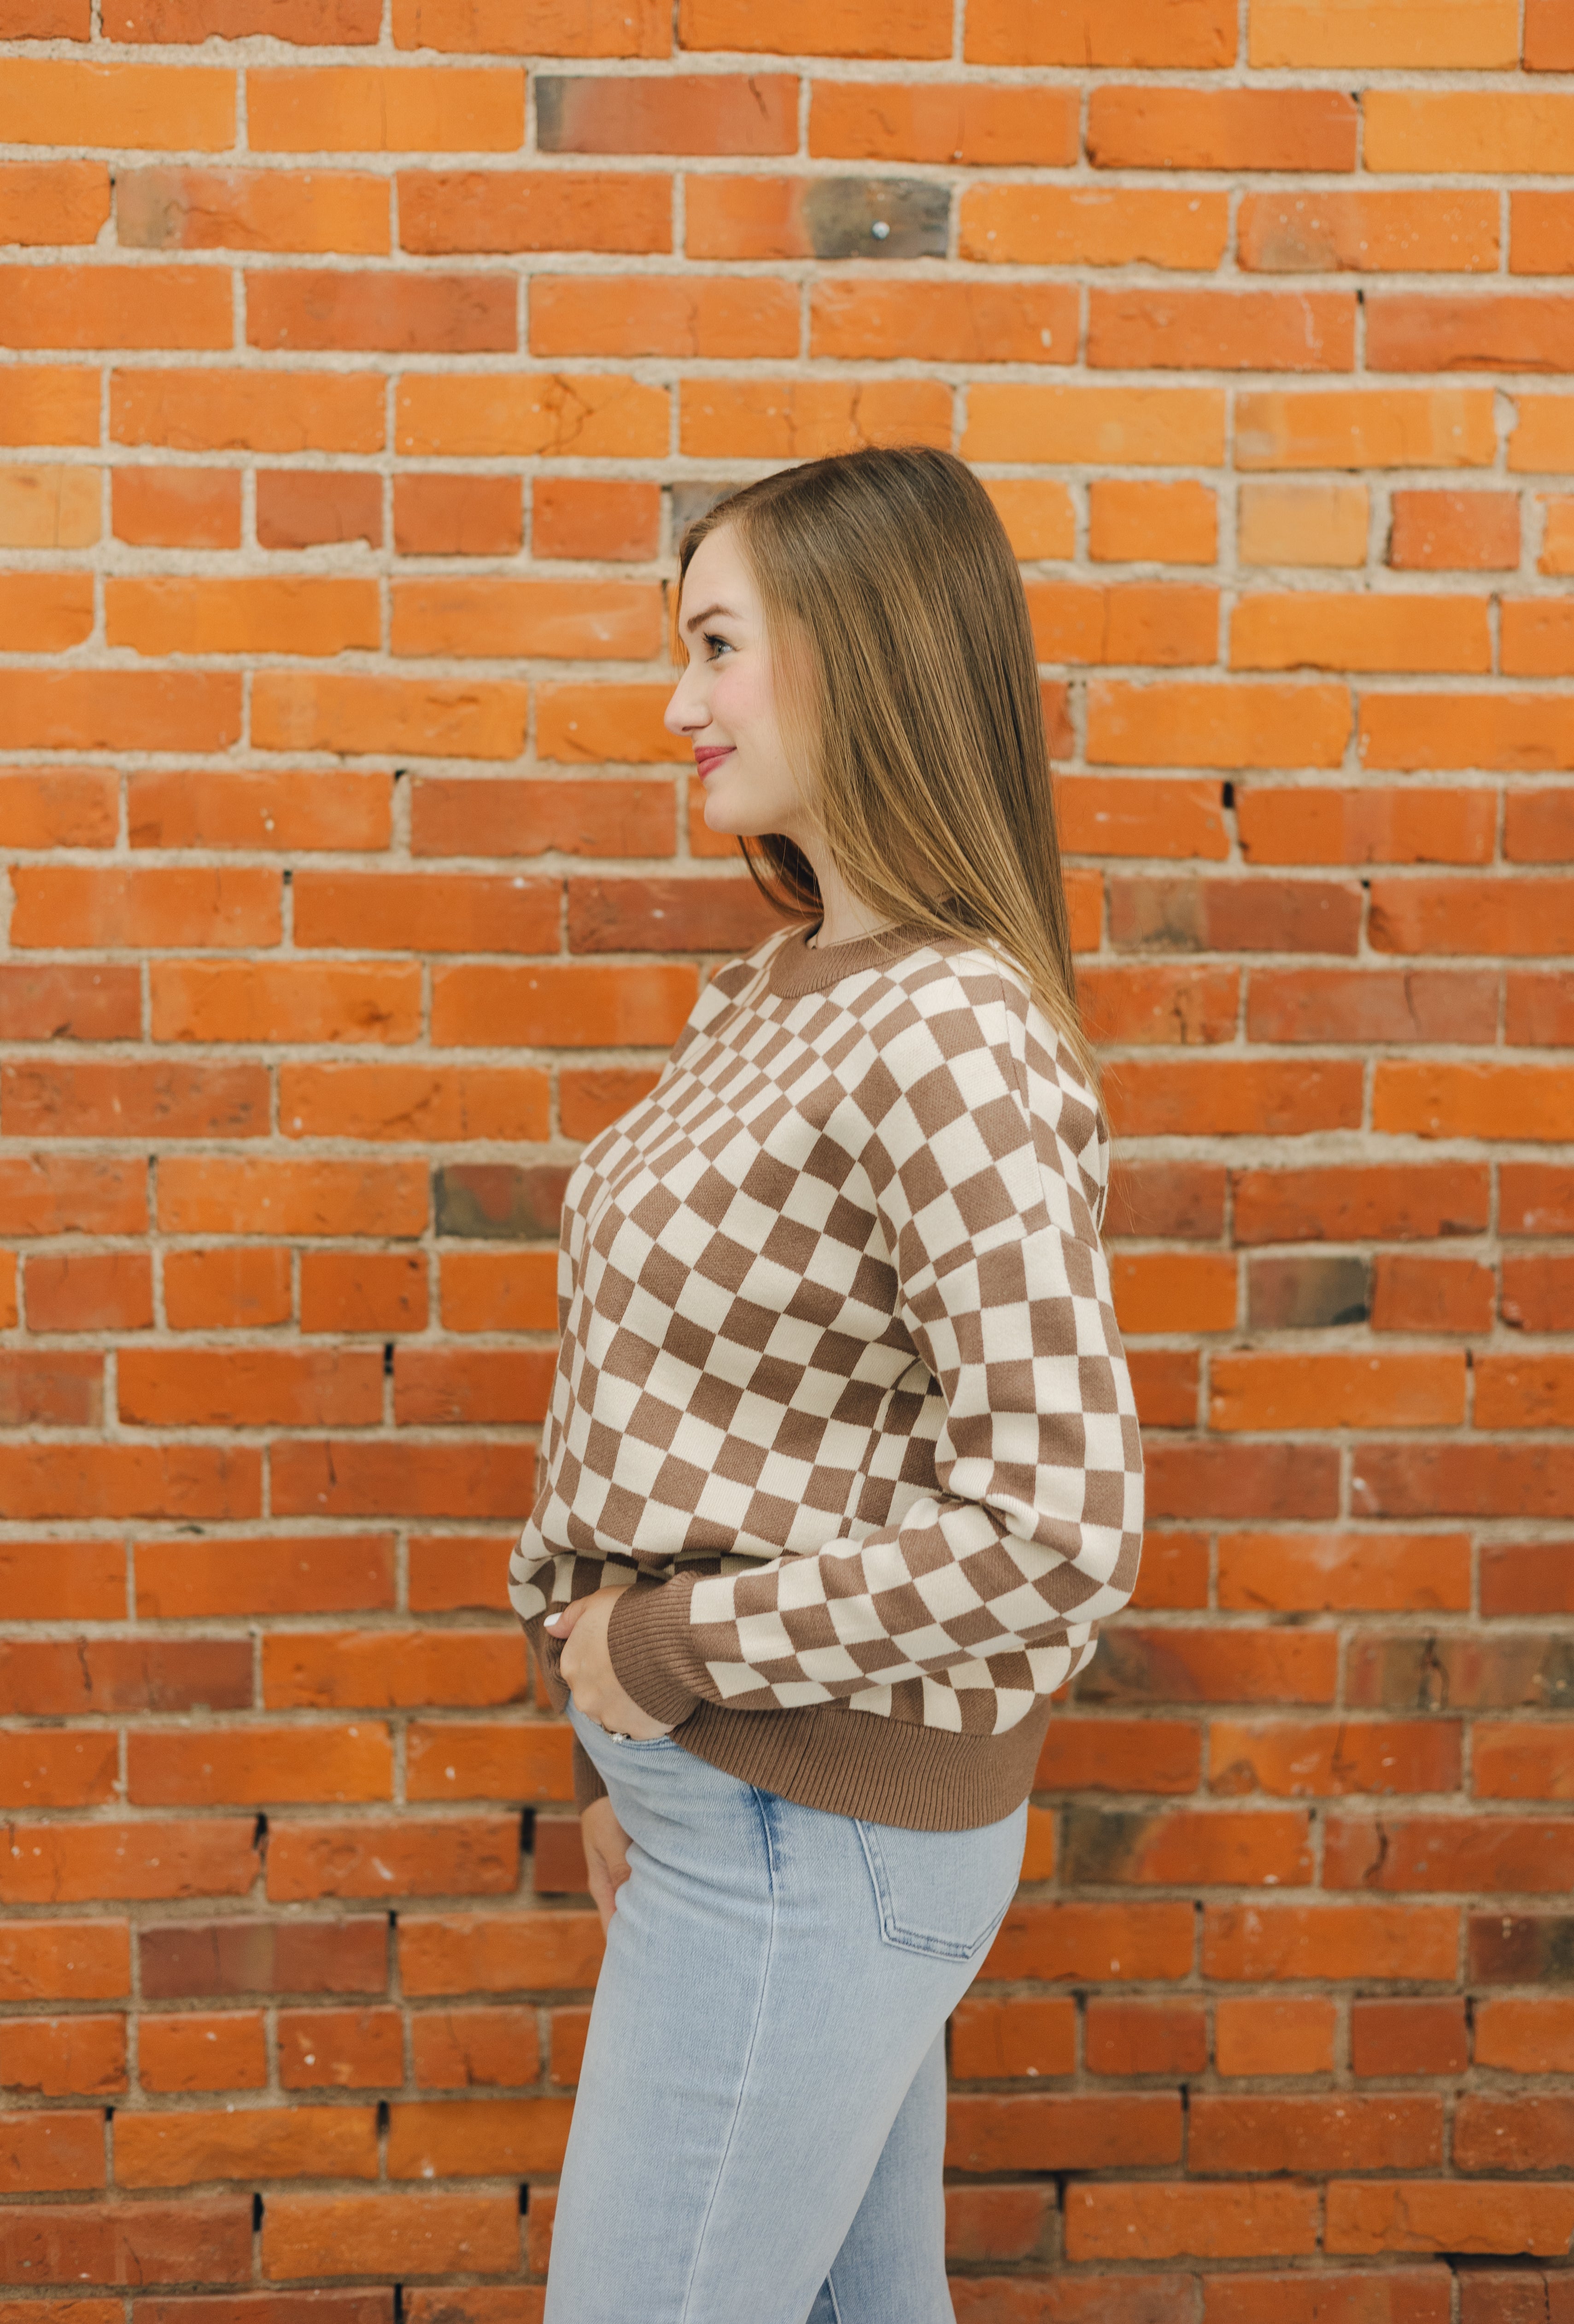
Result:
x=606 y=1857
x=587 y=1668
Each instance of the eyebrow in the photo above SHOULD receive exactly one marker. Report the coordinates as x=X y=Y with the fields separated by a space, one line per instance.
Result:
x=709 y=614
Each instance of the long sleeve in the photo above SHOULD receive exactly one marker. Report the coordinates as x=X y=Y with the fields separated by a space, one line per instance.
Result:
x=982 y=1593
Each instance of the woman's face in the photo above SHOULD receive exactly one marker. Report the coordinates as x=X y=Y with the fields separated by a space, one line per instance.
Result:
x=725 y=703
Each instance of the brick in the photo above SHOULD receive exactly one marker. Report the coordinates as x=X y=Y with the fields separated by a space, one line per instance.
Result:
x=1378 y=824
x=1336 y=1944
x=1304 y=1294
x=1044 y=2131
x=302 y=509
x=802 y=28
x=1539 y=827
x=1487 y=1101
x=478 y=1760
x=994 y=2040
x=520 y=1952
x=1159 y=128
x=788 y=419
x=497 y=619
x=304 y=22
x=1169 y=524
x=1234 y=2133
x=1175 y=1572
x=1364 y=428
x=1188 y=915
x=483 y=1291
x=1184 y=1848
x=1297 y=33
x=1319 y=630
x=389 y=2235
x=62 y=808
x=589 y=1100
x=1265 y=2033
x=60 y=2151
x=55 y=101
x=387 y=1669
x=54 y=1678
x=1000 y=2223
x=113 y=305
x=434 y=314
x=1302 y=524
x=55 y=202
x=1548 y=44
x=47 y=613
x=1105 y=1753
x=602 y=416
x=943 y=322
x=411 y=1858
x=342 y=1573
x=131 y=2245
x=681 y=113
x=63 y=2057
x=203 y=2050
x=70 y=1863
x=173 y=208
x=580 y=516
x=200 y=1960
x=403 y=1102
x=385 y=109
x=59 y=1581
x=561 y=1006
x=1243 y=330
x=284 y=1001
x=1527 y=131
x=1171 y=1291
x=1137 y=427
x=1163 y=2220
x=1513 y=1762
x=235 y=1194
x=60 y=1768
x=969 y=122
x=146 y=907
x=1045 y=225
x=1217 y=1097
x=1535 y=1293
x=447 y=1571
x=1527 y=1578
x=178 y=508
x=1409 y=2037
x=1343 y=1573
x=262 y=616
x=1182 y=1200
x=1219 y=1666
x=1137 y=33
x=437 y=1387
x=1178 y=722
x=1464 y=1480
x=356 y=713
x=1422 y=333
x=1455 y=532
x=353 y=1477
x=1371 y=1203
x=1521 y=1949
x=54 y=1390
x=478 y=2138
x=464 y=2049
x=1093 y=1943
x=171 y=2150
x=341 y=2049
x=1501 y=1671
x=89 y=1291
x=257 y=1766
x=1146 y=2037
x=1525 y=2036
x=44 y=506
x=1270 y=1392
x=1447 y=2215
x=1373 y=231
x=1485 y=1854
x=457 y=516
x=286 y=809
x=270 y=412
x=607 y=28
x=1510 y=2294
x=48 y=404
x=1369 y=1005
x=65 y=1961
x=496 y=210
x=1159 y=1003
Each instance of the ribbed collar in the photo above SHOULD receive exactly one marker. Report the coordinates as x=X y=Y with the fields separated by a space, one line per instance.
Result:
x=795 y=969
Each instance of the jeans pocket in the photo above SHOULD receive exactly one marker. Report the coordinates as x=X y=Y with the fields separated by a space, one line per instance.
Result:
x=943 y=1893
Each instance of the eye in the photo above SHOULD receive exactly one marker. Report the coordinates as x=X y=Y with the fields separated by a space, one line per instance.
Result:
x=716 y=644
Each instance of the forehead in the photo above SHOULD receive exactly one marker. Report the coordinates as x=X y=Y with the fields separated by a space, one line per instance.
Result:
x=718 y=572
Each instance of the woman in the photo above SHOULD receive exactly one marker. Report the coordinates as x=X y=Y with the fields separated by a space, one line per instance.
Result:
x=842 y=1467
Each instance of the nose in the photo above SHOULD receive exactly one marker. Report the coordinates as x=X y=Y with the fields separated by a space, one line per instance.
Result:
x=686 y=711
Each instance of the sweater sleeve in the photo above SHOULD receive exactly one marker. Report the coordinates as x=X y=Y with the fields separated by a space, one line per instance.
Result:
x=986 y=1590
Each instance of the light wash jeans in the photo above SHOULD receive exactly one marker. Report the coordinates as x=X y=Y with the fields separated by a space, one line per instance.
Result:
x=761 y=2115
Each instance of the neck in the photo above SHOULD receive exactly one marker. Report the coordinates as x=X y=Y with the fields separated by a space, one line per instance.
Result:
x=843 y=916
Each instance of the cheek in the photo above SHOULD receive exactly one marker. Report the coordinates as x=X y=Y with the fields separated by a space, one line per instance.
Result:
x=742 y=700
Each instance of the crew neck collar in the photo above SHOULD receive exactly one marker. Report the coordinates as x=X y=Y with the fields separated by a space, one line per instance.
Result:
x=796 y=967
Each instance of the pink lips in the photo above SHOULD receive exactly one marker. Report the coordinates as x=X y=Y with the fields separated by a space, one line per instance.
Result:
x=708 y=761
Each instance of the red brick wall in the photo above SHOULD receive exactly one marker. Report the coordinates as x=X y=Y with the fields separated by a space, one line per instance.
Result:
x=355 y=365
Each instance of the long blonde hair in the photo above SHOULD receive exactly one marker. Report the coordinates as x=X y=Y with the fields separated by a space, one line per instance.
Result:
x=909 y=698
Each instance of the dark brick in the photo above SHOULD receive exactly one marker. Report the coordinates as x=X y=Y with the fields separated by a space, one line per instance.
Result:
x=272 y=2308
x=559 y=1858
x=1253 y=914
x=1520 y=2296
x=53 y=1678
x=500 y=1202
x=1396 y=1671
x=192 y=1959
x=1521 y=1948
x=841 y=215
x=1307 y=1295
x=715 y=915
x=1181 y=1201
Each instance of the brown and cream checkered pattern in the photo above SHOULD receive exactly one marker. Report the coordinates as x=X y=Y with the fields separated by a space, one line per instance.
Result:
x=837 y=1333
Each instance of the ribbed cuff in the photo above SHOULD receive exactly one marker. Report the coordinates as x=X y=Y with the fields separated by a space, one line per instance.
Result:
x=588 y=1785
x=652 y=1650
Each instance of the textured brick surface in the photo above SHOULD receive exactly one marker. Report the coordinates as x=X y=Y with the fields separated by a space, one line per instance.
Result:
x=359 y=364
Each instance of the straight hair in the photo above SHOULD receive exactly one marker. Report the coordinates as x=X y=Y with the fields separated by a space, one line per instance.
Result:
x=907 y=688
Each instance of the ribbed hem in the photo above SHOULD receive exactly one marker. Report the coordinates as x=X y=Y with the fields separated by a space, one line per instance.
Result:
x=795 y=969
x=854 y=1763
x=650 y=1644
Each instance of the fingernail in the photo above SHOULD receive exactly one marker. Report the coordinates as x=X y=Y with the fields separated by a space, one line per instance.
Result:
x=552 y=1620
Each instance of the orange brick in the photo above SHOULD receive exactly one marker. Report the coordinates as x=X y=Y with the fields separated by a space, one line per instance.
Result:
x=178 y=508
x=1536 y=639
x=1543 y=437
x=48 y=404
x=1518 y=732
x=1039 y=518
x=1302 y=524
x=580 y=516
x=284 y=1001
x=943 y=322
x=362 y=1291
x=1455 y=532
x=1365 y=427
x=1139 y=33
x=497 y=620
x=230 y=1288
x=1469 y=1101
x=656 y=315
x=428 y=911
x=1138 y=815
x=200 y=2051
x=1139 y=622
x=1323 y=34
x=1448 y=2214
x=374 y=715
x=967 y=122
x=443 y=210
x=1323 y=630
x=46 y=506
x=46 y=613
x=247 y=411
x=305 y=2235
x=1217 y=330
x=306 y=21
x=1375 y=824
x=413 y=1101
x=1216 y=2220
x=530 y=818
x=799 y=419
x=146 y=906
x=1537 y=232
x=1487 y=915
x=241 y=616
x=557 y=28
x=487 y=1291
x=1166 y=524
x=173 y=208
x=1171 y=721
x=54 y=202
x=341 y=2049
x=288 y=810
x=1417 y=332
x=681 y=113
x=237 y=1195
x=562 y=1006
x=1526 y=132
x=1370 y=232
x=576 y=724
x=1323 y=1572
x=806 y=28
x=1137 y=427
x=63 y=2057
x=1175 y=1291
x=495 y=416
x=1093 y=225
x=466 y=2049
x=1159 y=128
x=457 y=516
x=1274 y=2035
x=424 y=313
x=1313 y=1759
x=89 y=1291
x=114 y=306
x=384 y=109
x=52 y=101
x=991 y=2039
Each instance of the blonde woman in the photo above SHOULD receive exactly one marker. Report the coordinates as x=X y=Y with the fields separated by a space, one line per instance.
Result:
x=841 y=1469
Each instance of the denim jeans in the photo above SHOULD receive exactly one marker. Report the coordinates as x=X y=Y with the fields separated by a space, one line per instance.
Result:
x=760 y=2122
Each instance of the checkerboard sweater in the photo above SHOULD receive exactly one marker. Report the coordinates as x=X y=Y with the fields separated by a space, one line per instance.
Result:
x=840 y=1390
